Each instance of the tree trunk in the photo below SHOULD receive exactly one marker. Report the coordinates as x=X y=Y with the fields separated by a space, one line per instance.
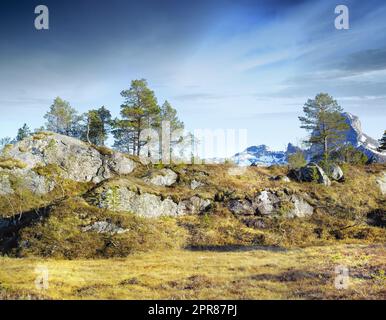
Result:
x=88 y=131
x=325 y=148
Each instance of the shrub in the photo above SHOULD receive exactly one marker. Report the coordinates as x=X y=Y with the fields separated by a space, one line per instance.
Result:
x=296 y=160
x=348 y=154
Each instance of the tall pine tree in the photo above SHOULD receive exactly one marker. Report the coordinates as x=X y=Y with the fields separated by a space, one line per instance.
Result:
x=97 y=126
x=62 y=118
x=169 y=115
x=140 y=111
x=322 y=117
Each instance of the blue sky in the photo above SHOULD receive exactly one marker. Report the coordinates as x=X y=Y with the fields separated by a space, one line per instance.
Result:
x=223 y=64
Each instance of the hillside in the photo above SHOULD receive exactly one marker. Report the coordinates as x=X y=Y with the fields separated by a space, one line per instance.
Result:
x=61 y=197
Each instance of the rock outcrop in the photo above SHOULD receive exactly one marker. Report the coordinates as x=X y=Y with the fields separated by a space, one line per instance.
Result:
x=104 y=227
x=120 y=197
x=75 y=160
x=163 y=177
x=310 y=173
x=268 y=203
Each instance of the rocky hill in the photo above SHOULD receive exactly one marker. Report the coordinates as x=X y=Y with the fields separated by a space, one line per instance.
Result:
x=63 y=197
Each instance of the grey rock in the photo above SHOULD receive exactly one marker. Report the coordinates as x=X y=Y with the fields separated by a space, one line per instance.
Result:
x=271 y=203
x=280 y=178
x=120 y=164
x=310 y=173
x=242 y=207
x=26 y=179
x=78 y=160
x=301 y=208
x=193 y=205
x=5 y=185
x=104 y=227
x=381 y=181
x=163 y=177
x=194 y=184
x=267 y=203
x=145 y=204
x=336 y=173
x=36 y=183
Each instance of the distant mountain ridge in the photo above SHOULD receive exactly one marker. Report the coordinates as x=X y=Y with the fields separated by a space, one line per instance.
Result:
x=261 y=155
x=361 y=141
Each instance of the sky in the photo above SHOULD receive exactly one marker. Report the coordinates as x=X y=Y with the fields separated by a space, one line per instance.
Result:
x=223 y=64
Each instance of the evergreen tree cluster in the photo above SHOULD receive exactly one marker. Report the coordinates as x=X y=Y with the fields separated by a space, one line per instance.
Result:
x=139 y=111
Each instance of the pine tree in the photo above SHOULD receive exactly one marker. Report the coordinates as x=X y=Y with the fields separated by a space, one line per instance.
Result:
x=97 y=125
x=382 y=142
x=62 y=118
x=140 y=111
x=169 y=115
x=23 y=132
x=324 y=120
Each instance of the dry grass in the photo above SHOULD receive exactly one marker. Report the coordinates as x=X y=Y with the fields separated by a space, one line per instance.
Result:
x=181 y=274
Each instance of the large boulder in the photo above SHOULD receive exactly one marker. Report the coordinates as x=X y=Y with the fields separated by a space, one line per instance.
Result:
x=120 y=197
x=163 y=177
x=267 y=203
x=336 y=173
x=145 y=204
x=193 y=205
x=271 y=203
x=75 y=159
x=300 y=208
x=24 y=179
x=310 y=173
x=242 y=207
x=120 y=164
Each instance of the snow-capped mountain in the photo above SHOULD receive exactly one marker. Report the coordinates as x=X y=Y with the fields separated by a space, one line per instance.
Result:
x=355 y=137
x=362 y=141
x=262 y=156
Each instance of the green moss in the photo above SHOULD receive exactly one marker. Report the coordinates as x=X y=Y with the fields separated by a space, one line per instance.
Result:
x=41 y=135
x=10 y=163
x=50 y=170
x=51 y=145
x=103 y=150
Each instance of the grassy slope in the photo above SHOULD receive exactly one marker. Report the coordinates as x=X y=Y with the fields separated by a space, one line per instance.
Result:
x=182 y=274
x=304 y=271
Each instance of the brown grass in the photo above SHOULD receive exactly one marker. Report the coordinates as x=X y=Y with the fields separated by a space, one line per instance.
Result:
x=181 y=274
